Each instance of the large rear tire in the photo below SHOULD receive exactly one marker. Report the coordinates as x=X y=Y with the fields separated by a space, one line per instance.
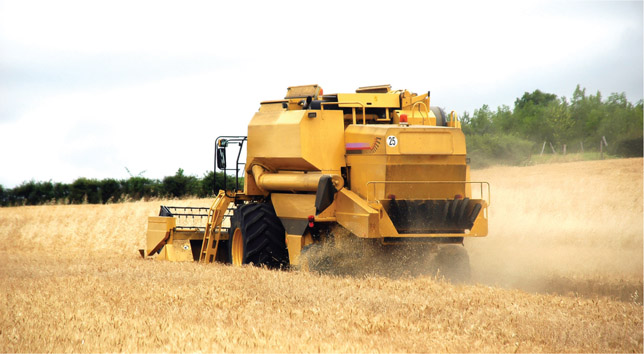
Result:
x=257 y=237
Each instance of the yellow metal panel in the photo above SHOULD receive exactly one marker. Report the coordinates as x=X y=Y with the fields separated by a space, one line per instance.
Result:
x=418 y=154
x=272 y=106
x=187 y=235
x=163 y=254
x=158 y=231
x=372 y=135
x=480 y=227
x=290 y=140
x=405 y=168
x=435 y=143
x=356 y=215
x=293 y=205
x=323 y=140
x=365 y=168
x=266 y=127
x=370 y=100
x=426 y=140
x=294 y=244
x=179 y=251
x=386 y=227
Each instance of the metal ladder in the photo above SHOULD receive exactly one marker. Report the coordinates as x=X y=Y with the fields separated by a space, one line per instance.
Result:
x=216 y=214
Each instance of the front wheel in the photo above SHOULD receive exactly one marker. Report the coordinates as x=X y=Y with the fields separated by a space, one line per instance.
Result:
x=257 y=237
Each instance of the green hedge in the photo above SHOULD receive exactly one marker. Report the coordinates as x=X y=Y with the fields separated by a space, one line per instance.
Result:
x=94 y=191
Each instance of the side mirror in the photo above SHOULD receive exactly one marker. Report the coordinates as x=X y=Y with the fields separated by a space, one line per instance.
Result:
x=221 y=158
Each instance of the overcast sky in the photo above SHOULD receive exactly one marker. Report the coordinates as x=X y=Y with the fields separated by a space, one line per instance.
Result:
x=88 y=88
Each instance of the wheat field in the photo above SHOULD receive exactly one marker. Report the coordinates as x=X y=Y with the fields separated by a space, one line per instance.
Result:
x=561 y=271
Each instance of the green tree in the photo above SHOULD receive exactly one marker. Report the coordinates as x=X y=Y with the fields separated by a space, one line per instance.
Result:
x=33 y=193
x=141 y=187
x=61 y=192
x=211 y=185
x=479 y=123
x=111 y=190
x=622 y=125
x=587 y=113
x=559 y=121
x=503 y=120
x=181 y=185
x=530 y=112
x=85 y=190
x=536 y=98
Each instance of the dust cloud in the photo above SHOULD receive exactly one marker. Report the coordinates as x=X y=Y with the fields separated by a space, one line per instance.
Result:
x=570 y=228
x=347 y=255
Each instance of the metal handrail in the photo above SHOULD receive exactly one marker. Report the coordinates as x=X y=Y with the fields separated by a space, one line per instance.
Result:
x=240 y=140
x=453 y=119
x=488 y=200
x=353 y=109
x=413 y=112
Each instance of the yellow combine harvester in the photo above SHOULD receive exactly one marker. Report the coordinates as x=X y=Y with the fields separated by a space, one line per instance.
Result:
x=378 y=163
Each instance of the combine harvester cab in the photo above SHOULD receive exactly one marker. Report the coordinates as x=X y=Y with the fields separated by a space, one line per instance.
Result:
x=378 y=163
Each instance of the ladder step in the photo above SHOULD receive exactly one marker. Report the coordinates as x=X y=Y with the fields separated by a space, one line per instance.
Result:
x=216 y=215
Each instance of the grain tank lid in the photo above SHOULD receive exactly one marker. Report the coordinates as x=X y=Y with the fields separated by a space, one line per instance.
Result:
x=303 y=91
x=374 y=89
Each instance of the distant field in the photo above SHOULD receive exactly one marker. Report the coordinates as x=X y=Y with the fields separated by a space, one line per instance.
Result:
x=568 y=228
x=560 y=272
x=570 y=157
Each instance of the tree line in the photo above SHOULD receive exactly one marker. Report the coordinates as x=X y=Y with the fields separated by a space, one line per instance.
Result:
x=94 y=191
x=513 y=136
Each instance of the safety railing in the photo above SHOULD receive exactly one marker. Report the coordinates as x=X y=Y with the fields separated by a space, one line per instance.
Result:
x=190 y=217
x=413 y=111
x=353 y=109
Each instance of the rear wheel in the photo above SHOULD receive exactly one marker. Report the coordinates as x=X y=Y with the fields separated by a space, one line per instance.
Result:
x=257 y=236
x=237 y=247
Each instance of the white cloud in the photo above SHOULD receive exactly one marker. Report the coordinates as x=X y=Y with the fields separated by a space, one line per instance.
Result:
x=89 y=88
